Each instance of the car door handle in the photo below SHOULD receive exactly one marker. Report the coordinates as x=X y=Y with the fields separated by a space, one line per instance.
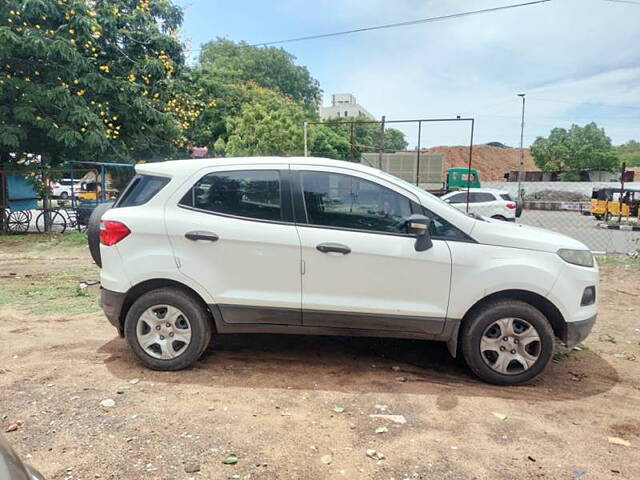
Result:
x=211 y=237
x=333 y=247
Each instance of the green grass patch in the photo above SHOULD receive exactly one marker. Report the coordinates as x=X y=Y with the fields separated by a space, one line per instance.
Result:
x=56 y=292
x=44 y=241
x=619 y=260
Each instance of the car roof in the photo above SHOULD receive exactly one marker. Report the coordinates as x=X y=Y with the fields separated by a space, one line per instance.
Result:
x=187 y=167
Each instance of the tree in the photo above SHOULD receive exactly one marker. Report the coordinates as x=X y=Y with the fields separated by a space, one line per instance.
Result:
x=91 y=80
x=575 y=150
x=268 y=124
x=629 y=153
x=270 y=67
x=227 y=71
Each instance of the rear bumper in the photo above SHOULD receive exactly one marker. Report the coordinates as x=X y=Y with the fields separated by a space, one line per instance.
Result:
x=575 y=332
x=111 y=303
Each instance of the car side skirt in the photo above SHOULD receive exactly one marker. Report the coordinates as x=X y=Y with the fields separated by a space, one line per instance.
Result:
x=244 y=319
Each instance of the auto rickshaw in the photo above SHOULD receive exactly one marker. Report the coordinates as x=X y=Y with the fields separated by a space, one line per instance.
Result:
x=608 y=202
x=91 y=191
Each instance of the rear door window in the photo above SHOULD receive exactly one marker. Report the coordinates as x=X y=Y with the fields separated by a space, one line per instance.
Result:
x=140 y=190
x=458 y=198
x=244 y=193
x=479 y=197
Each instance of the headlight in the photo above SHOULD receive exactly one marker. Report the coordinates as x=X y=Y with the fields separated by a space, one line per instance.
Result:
x=584 y=258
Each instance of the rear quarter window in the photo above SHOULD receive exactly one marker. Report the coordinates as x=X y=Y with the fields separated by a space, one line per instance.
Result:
x=506 y=196
x=140 y=190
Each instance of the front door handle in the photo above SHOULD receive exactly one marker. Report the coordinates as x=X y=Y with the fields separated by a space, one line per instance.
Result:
x=211 y=237
x=333 y=247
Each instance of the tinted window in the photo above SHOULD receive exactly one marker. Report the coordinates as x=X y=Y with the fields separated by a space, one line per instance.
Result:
x=458 y=198
x=440 y=228
x=477 y=197
x=506 y=196
x=244 y=193
x=344 y=201
x=140 y=190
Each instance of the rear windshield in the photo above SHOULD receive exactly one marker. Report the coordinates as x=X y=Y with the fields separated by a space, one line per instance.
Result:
x=140 y=190
x=506 y=196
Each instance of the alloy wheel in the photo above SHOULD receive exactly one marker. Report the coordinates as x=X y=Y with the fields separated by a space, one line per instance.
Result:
x=510 y=346
x=163 y=332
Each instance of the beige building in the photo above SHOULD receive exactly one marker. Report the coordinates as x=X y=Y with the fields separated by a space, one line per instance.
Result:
x=344 y=105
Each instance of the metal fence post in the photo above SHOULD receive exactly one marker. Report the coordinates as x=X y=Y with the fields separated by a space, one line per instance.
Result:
x=306 y=148
x=469 y=167
x=381 y=143
x=418 y=157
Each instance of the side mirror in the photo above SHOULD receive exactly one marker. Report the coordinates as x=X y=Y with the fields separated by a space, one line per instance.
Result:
x=418 y=226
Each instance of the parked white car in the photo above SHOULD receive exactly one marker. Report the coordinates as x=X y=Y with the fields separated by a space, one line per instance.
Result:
x=315 y=246
x=486 y=202
x=62 y=188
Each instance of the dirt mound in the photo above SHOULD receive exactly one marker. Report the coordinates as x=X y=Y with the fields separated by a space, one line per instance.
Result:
x=492 y=162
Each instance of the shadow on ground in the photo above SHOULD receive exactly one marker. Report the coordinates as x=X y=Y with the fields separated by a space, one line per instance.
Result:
x=354 y=364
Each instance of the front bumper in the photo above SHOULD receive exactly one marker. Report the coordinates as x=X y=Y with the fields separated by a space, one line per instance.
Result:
x=575 y=332
x=111 y=303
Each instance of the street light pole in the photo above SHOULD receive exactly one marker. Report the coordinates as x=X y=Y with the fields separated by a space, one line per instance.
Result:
x=521 y=172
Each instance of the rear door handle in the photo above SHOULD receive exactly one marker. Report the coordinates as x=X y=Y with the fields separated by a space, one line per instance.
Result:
x=211 y=237
x=333 y=247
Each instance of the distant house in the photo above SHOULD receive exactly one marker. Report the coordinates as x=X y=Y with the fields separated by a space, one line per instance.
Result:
x=344 y=105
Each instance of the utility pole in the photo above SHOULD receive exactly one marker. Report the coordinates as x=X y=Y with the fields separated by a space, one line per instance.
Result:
x=381 y=143
x=521 y=172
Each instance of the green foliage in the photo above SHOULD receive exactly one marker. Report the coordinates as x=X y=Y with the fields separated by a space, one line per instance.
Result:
x=574 y=150
x=268 y=124
x=233 y=63
x=629 y=153
x=89 y=80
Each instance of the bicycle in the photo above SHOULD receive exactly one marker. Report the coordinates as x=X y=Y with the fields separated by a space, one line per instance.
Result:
x=53 y=219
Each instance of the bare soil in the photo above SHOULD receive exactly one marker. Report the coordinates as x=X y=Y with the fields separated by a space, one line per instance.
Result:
x=491 y=162
x=270 y=399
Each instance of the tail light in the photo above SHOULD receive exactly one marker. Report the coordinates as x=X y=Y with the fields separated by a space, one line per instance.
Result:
x=511 y=205
x=112 y=232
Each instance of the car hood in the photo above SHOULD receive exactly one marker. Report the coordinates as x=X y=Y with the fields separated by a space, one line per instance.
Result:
x=496 y=232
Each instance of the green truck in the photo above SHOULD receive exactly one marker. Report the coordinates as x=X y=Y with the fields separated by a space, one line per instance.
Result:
x=459 y=178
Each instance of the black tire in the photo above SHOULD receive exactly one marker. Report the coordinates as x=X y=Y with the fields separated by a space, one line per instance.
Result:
x=64 y=195
x=93 y=232
x=193 y=309
x=499 y=217
x=51 y=219
x=476 y=326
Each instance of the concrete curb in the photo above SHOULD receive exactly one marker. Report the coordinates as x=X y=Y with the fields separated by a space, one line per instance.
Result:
x=625 y=228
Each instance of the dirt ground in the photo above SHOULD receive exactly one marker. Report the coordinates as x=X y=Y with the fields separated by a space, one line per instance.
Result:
x=276 y=401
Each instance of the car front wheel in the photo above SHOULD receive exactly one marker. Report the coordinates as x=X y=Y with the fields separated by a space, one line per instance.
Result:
x=507 y=342
x=167 y=329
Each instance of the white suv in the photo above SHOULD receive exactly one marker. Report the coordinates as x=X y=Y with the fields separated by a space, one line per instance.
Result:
x=486 y=202
x=317 y=246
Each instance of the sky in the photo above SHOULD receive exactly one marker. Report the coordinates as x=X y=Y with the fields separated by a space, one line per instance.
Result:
x=577 y=60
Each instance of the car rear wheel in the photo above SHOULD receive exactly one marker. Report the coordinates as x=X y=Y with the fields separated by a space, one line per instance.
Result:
x=507 y=342
x=499 y=217
x=167 y=329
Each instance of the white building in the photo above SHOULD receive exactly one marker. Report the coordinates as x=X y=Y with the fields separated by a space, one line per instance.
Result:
x=344 y=105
